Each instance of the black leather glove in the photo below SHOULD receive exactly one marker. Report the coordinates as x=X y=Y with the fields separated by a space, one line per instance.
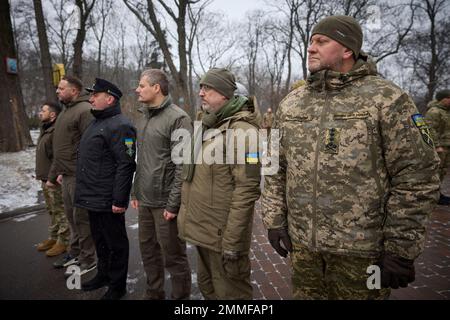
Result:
x=396 y=271
x=277 y=235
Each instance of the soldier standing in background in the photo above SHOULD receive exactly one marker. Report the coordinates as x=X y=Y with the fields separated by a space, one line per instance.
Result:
x=438 y=119
x=358 y=174
x=59 y=229
x=267 y=120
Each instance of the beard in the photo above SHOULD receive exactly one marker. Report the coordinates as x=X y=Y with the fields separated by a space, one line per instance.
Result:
x=333 y=65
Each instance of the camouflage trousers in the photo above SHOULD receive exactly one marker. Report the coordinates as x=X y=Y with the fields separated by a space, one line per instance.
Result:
x=59 y=227
x=223 y=280
x=444 y=163
x=326 y=276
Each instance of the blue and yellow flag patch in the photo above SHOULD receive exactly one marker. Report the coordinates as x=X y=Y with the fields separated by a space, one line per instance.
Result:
x=420 y=123
x=129 y=143
x=252 y=158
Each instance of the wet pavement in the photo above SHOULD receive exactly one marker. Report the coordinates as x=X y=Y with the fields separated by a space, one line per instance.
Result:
x=28 y=274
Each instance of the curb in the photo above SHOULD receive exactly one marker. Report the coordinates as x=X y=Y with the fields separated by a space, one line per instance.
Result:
x=21 y=211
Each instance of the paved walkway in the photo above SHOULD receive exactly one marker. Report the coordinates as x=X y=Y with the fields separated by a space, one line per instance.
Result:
x=271 y=273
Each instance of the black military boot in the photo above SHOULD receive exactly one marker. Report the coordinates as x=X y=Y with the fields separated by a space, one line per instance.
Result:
x=95 y=283
x=114 y=294
x=444 y=200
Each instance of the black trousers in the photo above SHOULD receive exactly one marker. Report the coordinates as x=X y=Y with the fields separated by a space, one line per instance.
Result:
x=111 y=243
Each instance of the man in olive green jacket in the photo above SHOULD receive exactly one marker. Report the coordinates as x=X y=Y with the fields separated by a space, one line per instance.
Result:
x=157 y=188
x=218 y=195
x=438 y=118
x=69 y=127
x=59 y=228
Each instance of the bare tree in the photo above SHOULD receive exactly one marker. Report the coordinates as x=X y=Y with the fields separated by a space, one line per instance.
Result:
x=85 y=8
x=148 y=15
x=14 y=132
x=196 y=16
x=275 y=52
x=62 y=32
x=251 y=46
x=46 y=60
x=214 y=43
x=98 y=21
x=428 y=49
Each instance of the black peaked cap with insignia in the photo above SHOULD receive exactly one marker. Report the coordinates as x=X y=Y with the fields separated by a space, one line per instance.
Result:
x=102 y=85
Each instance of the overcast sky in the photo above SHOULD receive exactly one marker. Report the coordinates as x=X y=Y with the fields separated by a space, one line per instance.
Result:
x=235 y=9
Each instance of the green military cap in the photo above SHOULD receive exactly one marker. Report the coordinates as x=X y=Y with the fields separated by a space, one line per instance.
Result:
x=221 y=80
x=343 y=29
x=442 y=94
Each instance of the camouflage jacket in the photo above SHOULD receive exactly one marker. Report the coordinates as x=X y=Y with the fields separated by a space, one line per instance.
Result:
x=438 y=119
x=358 y=171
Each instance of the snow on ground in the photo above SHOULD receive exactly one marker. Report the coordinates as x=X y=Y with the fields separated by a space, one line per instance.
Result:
x=18 y=186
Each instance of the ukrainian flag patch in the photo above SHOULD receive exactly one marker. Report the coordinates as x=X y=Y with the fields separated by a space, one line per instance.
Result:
x=129 y=143
x=252 y=158
x=420 y=123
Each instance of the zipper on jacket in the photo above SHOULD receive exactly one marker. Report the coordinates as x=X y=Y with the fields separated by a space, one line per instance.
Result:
x=316 y=165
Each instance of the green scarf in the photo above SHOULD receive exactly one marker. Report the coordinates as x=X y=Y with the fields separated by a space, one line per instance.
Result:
x=210 y=120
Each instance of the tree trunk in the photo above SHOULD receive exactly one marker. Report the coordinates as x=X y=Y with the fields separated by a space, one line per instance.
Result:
x=77 y=67
x=85 y=10
x=46 y=61
x=14 y=132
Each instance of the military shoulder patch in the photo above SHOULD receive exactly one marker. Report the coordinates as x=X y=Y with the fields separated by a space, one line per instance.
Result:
x=420 y=123
x=129 y=143
x=252 y=158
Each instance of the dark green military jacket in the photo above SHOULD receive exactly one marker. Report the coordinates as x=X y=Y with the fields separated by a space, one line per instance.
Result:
x=217 y=205
x=69 y=127
x=157 y=183
x=358 y=170
x=44 y=151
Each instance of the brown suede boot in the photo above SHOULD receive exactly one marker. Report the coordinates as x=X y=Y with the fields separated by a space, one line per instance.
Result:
x=56 y=250
x=46 y=244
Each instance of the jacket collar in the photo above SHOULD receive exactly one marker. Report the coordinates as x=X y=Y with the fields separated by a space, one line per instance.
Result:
x=328 y=80
x=48 y=126
x=83 y=97
x=108 y=112
x=150 y=110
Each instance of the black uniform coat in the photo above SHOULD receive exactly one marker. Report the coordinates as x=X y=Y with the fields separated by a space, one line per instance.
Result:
x=106 y=161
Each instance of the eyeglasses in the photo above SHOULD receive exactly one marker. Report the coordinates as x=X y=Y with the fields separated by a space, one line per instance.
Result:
x=205 y=88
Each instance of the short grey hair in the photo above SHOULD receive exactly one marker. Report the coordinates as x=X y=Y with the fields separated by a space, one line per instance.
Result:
x=157 y=76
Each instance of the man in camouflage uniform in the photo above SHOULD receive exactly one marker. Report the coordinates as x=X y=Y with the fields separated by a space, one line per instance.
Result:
x=218 y=197
x=357 y=178
x=267 y=120
x=59 y=228
x=438 y=119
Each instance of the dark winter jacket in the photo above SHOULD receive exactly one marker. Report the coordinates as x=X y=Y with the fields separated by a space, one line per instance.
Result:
x=106 y=161
x=69 y=127
x=44 y=151
x=158 y=180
